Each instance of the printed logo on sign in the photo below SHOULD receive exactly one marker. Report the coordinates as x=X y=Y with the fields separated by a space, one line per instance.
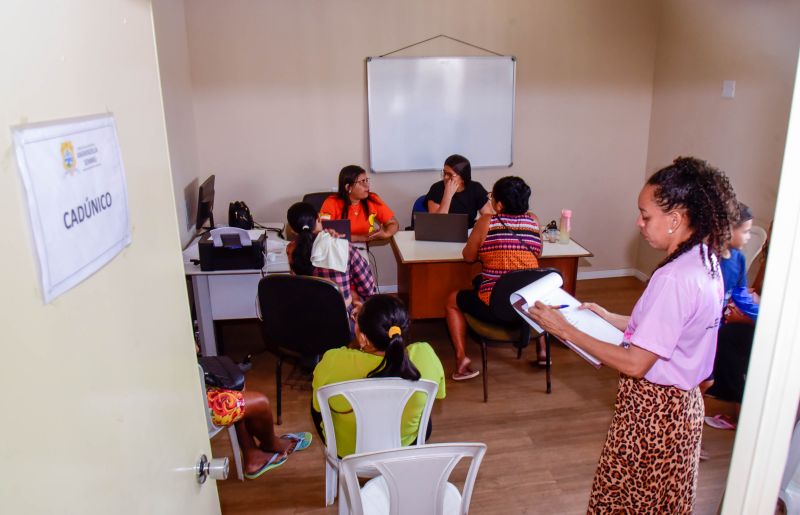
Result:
x=68 y=156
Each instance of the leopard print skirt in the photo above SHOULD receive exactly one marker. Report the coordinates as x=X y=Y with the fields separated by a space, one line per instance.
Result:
x=650 y=459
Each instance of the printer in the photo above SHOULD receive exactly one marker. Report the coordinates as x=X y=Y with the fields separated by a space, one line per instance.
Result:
x=231 y=248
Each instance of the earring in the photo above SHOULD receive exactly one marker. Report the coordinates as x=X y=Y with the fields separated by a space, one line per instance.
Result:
x=670 y=231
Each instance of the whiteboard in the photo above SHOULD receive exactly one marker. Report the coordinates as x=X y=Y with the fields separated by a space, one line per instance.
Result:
x=423 y=109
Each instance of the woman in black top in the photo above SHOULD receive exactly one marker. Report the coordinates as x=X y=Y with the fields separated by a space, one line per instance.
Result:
x=458 y=193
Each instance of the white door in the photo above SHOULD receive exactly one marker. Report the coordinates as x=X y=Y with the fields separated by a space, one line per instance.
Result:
x=101 y=408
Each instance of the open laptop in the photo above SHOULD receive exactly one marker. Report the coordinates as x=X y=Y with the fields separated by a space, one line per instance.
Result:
x=440 y=227
x=340 y=226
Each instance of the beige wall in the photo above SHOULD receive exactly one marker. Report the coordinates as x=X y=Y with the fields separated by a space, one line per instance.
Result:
x=701 y=44
x=173 y=61
x=279 y=94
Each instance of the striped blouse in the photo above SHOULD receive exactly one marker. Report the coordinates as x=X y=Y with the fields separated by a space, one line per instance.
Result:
x=503 y=249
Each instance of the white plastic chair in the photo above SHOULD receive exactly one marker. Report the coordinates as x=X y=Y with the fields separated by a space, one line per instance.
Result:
x=378 y=405
x=213 y=429
x=412 y=480
x=757 y=238
x=790 y=484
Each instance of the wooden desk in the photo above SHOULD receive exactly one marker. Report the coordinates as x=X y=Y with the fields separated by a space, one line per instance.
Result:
x=427 y=271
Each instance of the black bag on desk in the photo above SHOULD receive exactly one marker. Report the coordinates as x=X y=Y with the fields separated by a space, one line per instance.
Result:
x=239 y=215
x=222 y=372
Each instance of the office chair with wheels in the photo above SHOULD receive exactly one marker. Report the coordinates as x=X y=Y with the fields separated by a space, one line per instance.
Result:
x=378 y=405
x=412 y=480
x=509 y=327
x=317 y=198
x=301 y=318
x=420 y=206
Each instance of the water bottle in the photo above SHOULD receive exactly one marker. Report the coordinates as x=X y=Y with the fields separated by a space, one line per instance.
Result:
x=564 y=228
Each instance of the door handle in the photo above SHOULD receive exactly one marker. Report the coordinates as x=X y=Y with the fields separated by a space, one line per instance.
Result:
x=217 y=468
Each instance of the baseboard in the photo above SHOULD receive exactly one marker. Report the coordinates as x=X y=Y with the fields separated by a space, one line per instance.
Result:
x=620 y=272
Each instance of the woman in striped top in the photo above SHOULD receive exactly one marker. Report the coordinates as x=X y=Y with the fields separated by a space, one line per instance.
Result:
x=503 y=242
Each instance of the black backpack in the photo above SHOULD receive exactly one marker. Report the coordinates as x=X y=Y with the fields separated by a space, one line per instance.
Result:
x=239 y=215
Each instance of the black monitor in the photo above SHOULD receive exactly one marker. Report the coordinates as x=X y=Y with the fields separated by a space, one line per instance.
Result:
x=205 y=204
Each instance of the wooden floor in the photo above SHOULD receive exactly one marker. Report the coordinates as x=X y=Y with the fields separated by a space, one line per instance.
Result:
x=542 y=449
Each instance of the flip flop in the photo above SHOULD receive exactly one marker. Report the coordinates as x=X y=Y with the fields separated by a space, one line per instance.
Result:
x=720 y=422
x=463 y=376
x=302 y=440
x=275 y=461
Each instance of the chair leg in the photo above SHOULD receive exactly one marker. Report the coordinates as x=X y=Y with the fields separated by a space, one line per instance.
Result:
x=547 y=359
x=525 y=336
x=278 y=392
x=237 y=452
x=331 y=483
x=485 y=371
x=344 y=509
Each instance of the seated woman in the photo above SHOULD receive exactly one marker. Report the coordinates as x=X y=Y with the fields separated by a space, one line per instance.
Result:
x=503 y=242
x=370 y=218
x=380 y=349
x=252 y=414
x=457 y=192
x=354 y=278
x=735 y=337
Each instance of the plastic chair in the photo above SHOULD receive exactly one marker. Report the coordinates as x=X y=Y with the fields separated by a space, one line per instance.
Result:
x=317 y=198
x=790 y=484
x=214 y=430
x=412 y=480
x=301 y=318
x=758 y=236
x=420 y=206
x=378 y=405
x=510 y=327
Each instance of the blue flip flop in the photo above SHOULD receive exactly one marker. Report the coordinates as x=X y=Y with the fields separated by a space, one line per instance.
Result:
x=275 y=461
x=302 y=439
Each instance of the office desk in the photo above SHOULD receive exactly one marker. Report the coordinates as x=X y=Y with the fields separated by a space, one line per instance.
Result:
x=230 y=294
x=427 y=271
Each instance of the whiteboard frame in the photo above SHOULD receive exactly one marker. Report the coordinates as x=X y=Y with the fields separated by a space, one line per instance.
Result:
x=513 y=62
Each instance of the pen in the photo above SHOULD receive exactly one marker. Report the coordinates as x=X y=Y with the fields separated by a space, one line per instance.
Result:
x=562 y=306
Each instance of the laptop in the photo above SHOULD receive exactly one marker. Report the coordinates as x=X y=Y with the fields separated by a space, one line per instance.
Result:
x=440 y=227
x=340 y=226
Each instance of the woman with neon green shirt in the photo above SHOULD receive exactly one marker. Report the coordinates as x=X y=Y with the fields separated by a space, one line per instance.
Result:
x=379 y=350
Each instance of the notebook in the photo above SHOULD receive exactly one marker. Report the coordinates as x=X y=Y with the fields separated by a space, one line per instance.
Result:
x=340 y=226
x=440 y=227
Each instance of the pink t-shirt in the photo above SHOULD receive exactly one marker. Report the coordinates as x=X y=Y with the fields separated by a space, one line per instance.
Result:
x=677 y=318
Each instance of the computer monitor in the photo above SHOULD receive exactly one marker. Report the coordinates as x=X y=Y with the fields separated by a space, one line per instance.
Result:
x=205 y=204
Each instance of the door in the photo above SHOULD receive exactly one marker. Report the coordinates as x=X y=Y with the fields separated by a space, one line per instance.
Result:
x=103 y=411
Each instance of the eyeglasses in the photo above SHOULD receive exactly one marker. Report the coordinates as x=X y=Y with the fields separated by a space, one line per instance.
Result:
x=448 y=175
x=364 y=181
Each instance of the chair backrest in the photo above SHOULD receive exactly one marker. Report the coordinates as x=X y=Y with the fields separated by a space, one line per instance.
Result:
x=420 y=206
x=499 y=302
x=757 y=238
x=317 y=198
x=302 y=316
x=415 y=477
x=378 y=405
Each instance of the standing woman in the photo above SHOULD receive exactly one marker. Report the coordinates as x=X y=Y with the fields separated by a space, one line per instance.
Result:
x=370 y=218
x=457 y=192
x=649 y=463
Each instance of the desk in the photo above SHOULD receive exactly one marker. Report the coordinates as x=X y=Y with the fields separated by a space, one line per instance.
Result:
x=230 y=294
x=427 y=271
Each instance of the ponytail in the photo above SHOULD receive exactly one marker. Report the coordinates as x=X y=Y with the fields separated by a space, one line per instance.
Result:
x=383 y=319
x=302 y=219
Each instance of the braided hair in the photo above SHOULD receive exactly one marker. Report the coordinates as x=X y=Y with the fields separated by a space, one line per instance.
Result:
x=302 y=219
x=708 y=198
x=379 y=316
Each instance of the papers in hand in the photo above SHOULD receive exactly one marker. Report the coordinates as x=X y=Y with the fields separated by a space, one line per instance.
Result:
x=548 y=291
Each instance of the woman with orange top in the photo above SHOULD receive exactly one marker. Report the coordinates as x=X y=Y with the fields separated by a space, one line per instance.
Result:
x=503 y=242
x=370 y=218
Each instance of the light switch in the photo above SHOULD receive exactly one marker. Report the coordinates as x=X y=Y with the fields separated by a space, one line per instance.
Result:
x=728 y=88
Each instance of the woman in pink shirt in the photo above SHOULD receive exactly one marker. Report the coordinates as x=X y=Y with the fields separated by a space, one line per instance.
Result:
x=650 y=459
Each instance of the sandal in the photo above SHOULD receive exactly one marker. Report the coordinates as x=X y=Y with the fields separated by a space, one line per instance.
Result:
x=463 y=376
x=720 y=422
x=301 y=440
x=277 y=459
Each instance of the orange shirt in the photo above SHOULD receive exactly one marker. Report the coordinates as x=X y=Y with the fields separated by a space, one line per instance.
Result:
x=360 y=223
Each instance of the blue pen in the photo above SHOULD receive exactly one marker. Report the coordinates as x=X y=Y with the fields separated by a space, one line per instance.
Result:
x=562 y=306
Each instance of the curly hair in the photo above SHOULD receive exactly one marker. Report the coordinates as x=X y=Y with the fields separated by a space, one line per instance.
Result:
x=709 y=200
x=513 y=193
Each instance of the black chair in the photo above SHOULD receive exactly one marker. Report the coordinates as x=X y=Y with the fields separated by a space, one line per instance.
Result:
x=301 y=318
x=509 y=328
x=316 y=199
